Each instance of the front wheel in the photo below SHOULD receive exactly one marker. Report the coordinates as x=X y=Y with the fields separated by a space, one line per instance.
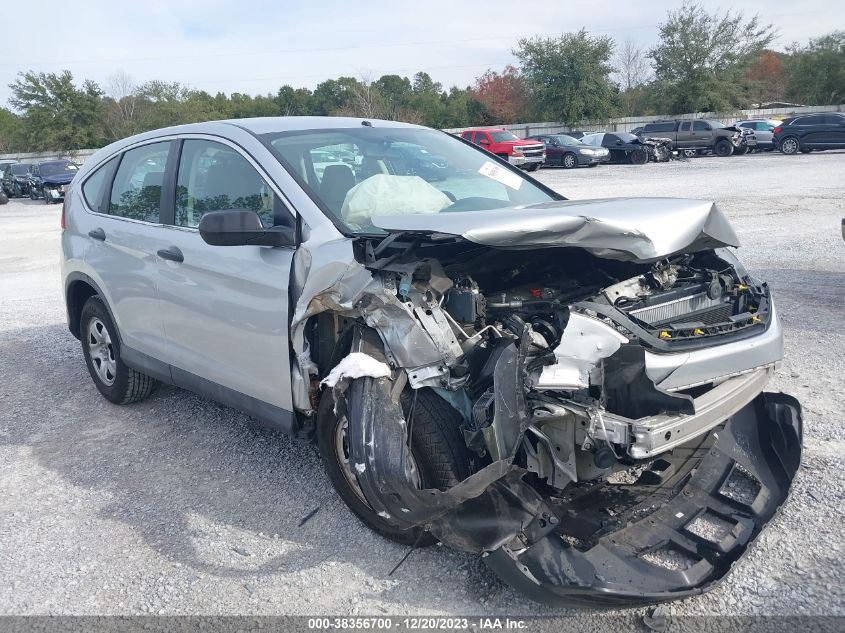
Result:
x=790 y=145
x=532 y=167
x=689 y=153
x=438 y=456
x=739 y=151
x=119 y=383
x=639 y=157
x=569 y=161
x=723 y=149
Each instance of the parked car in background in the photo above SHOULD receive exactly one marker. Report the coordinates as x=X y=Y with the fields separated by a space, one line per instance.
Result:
x=50 y=179
x=564 y=151
x=763 y=131
x=15 y=179
x=825 y=130
x=474 y=358
x=508 y=146
x=576 y=134
x=623 y=146
x=700 y=135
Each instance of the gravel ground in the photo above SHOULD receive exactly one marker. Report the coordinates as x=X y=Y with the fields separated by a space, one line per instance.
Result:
x=179 y=506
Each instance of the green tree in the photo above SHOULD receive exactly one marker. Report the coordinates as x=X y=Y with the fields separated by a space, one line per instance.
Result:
x=816 y=73
x=294 y=101
x=568 y=77
x=11 y=127
x=57 y=114
x=702 y=59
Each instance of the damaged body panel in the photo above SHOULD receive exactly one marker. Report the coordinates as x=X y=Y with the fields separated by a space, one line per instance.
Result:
x=575 y=343
x=569 y=388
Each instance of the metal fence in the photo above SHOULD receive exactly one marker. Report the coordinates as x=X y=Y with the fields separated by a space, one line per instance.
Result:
x=626 y=124
x=77 y=156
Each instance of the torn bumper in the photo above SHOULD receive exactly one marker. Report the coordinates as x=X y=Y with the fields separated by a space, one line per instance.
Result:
x=601 y=544
x=677 y=530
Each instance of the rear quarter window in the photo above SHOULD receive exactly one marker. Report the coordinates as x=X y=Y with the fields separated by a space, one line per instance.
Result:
x=94 y=187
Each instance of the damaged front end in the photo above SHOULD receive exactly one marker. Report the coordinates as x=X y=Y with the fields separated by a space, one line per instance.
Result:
x=611 y=397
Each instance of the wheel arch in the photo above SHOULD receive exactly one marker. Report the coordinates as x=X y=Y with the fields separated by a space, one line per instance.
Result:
x=79 y=287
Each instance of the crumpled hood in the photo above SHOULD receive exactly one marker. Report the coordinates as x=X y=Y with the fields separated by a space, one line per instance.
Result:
x=632 y=229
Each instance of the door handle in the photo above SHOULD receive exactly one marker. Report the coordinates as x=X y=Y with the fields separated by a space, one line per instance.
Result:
x=172 y=254
x=97 y=234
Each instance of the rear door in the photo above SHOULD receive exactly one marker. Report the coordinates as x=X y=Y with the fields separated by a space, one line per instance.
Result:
x=834 y=134
x=684 y=134
x=701 y=134
x=124 y=232
x=225 y=308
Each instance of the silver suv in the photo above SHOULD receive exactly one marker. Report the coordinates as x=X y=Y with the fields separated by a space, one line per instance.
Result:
x=574 y=388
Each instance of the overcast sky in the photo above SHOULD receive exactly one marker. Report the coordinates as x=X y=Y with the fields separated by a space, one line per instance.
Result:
x=256 y=46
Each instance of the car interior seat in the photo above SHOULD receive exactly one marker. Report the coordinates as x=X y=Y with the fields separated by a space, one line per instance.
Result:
x=337 y=181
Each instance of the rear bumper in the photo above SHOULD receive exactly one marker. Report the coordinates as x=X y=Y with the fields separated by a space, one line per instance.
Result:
x=713 y=496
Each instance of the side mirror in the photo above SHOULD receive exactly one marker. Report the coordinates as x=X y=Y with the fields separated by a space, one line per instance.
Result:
x=241 y=227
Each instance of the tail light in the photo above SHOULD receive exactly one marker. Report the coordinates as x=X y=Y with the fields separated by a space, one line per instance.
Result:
x=777 y=130
x=63 y=222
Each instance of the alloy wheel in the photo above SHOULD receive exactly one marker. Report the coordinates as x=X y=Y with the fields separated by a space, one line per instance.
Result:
x=101 y=351
x=569 y=161
x=789 y=146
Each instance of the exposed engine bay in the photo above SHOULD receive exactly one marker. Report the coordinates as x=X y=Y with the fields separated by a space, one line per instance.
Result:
x=605 y=398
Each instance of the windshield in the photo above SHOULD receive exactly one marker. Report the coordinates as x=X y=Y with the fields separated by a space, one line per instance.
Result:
x=20 y=169
x=499 y=137
x=627 y=138
x=398 y=171
x=51 y=169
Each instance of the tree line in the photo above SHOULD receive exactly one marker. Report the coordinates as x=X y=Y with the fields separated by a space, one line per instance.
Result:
x=703 y=62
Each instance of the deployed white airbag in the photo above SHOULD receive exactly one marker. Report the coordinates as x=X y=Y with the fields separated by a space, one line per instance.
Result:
x=385 y=194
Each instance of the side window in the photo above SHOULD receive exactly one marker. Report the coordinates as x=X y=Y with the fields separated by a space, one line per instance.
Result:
x=466 y=136
x=700 y=126
x=214 y=177
x=93 y=189
x=685 y=126
x=136 y=192
x=481 y=136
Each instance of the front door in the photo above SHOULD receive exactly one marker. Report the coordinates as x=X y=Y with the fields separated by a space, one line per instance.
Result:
x=225 y=308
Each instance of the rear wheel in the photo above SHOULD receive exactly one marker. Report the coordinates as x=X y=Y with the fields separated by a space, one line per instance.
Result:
x=790 y=145
x=723 y=149
x=438 y=456
x=568 y=161
x=101 y=347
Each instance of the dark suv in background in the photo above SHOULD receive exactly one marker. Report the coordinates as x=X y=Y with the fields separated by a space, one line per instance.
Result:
x=825 y=130
x=15 y=179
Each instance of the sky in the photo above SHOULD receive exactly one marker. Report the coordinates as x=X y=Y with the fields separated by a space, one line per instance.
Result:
x=254 y=47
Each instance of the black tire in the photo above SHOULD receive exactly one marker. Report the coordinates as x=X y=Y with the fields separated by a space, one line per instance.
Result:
x=32 y=194
x=46 y=197
x=739 y=151
x=3 y=197
x=437 y=447
x=723 y=148
x=127 y=385
x=790 y=145
x=532 y=167
x=638 y=157
x=569 y=161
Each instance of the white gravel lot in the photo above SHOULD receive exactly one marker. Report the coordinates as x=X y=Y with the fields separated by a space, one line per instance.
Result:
x=177 y=505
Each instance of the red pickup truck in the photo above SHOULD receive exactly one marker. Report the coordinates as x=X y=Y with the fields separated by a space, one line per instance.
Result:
x=528 y=155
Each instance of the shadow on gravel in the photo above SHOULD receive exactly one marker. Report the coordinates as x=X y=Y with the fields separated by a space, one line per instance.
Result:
x=189 y=476
x=810 y=299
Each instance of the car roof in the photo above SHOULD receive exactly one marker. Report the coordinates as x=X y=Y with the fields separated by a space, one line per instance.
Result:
x=57 y=161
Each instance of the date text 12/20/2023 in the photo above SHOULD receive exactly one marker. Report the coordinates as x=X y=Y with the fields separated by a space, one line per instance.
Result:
x=415 y=623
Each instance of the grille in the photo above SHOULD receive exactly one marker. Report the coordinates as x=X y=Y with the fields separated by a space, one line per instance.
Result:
x=702 y=307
